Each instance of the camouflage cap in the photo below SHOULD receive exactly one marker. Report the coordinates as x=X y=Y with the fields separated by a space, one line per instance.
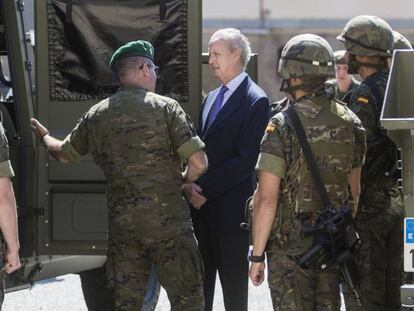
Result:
x=306 y=55
x=133 y=48
x=368 y=36
x=341 y=57
x=401 y=42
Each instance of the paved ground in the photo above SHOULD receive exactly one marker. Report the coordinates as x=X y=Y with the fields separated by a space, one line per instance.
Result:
x=64 y=293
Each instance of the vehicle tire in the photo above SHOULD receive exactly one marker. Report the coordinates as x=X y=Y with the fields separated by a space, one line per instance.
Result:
x=100 y=298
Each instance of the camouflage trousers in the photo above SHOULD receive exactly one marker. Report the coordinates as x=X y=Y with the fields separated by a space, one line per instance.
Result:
x=177 y=262
x=380 y=225
x=294 y=289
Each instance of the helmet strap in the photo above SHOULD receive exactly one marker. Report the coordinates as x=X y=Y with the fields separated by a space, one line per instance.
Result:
x=307 y=86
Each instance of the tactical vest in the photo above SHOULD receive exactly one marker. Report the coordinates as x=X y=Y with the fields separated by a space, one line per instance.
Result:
x=329 y=129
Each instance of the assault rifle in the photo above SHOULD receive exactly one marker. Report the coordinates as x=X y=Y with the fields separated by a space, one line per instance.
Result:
x=333 y=244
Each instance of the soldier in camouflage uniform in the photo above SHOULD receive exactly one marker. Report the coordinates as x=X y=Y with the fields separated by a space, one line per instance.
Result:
x=337 y=140
x=369 y=41
x=139 y=138
x=344 y=82
x=8 y=216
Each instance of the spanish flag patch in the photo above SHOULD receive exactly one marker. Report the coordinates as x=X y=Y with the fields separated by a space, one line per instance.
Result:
x=270 y=128
x=362 y=100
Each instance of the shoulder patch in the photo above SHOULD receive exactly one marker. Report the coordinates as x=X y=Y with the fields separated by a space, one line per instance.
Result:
x=362 y=100
x=270 y=128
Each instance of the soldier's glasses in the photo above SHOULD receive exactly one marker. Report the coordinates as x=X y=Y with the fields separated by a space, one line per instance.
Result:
x=156 y=68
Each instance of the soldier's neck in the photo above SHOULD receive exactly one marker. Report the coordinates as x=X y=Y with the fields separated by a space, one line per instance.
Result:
x=344 y=85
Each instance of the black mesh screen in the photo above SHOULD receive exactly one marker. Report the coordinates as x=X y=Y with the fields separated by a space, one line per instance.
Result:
x=83 y=34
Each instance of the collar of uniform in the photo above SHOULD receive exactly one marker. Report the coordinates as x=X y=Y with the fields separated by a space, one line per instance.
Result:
x=308 y=107
x=379 y=72
x=132 y=88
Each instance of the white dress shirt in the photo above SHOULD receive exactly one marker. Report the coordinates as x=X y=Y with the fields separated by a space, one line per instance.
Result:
x=232 y=86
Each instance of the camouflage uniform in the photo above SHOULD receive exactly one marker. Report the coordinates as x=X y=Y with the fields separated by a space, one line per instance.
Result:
x=6 y=170
x=337 y=140
x=379 y=220
x=317 y=289
x=139 y=138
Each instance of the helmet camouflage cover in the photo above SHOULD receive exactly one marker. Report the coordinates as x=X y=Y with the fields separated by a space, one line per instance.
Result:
x=306 y=55
x=368 y=36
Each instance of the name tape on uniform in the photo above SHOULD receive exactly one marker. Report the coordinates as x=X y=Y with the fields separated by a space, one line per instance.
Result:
x=409 y=245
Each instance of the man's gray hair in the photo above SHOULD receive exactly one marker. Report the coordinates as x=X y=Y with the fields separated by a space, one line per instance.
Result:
x=235 y=40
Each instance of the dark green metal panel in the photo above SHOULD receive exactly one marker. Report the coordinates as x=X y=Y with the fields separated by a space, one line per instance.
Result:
x=56 y=180
x=397 y=117
x=194 y=58
x=19 y=24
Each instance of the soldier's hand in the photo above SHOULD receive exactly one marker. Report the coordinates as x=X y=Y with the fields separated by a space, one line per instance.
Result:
x=193 y=193
x=11 y=261
x=257 y=272
x=38 y=129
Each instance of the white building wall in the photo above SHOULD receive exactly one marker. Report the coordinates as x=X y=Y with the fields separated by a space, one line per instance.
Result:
x=307 y=9
x=280 y=20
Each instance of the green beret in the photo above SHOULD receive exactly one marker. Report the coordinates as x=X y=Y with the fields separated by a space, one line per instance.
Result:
x=341 y=58
x=133 y=48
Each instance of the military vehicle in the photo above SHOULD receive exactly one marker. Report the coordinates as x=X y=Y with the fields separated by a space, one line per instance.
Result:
x=397 y=117
x=54 y=66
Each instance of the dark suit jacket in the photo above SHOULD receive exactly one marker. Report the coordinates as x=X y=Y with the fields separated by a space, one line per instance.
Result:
x=232 y=147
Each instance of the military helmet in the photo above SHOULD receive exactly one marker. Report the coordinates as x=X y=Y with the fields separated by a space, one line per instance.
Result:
x=368 y=36
x=341 y=57
x=306 y=55
x=401 y=42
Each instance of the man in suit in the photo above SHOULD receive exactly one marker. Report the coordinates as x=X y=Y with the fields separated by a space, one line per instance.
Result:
x=231 y=124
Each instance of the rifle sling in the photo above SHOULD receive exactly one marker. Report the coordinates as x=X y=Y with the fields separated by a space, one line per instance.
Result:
x=301 y=135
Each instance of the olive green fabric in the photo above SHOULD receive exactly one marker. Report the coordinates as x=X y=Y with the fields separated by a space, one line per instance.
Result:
x=272 y=164
x=190 y=147
x=306 y=55
x=6 y=169
x=139 y=139
x=133 y=48
x=368 y=36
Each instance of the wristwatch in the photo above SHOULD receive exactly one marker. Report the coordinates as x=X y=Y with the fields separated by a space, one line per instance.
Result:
x=253 y=258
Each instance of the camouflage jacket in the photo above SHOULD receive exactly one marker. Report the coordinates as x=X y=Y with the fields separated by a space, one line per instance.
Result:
x=138 y=139
x=337 y=140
